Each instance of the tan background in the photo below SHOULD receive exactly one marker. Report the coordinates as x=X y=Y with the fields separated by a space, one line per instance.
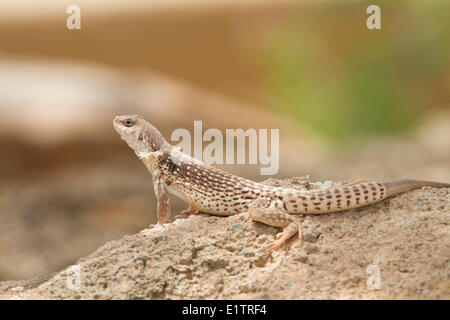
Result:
x=67 y=182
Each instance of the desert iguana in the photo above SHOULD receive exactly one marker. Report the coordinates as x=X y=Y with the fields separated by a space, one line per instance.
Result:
x=211 y=190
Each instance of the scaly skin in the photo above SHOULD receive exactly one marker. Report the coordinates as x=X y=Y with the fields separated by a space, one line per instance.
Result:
x=211 y=190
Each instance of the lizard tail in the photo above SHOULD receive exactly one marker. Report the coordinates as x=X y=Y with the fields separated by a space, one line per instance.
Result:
x=403 y=185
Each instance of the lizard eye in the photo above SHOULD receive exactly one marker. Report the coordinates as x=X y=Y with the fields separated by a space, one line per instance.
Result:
x=128 y=123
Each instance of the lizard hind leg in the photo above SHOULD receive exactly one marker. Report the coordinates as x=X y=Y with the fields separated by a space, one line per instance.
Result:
x=268 y=211
x=354 y=182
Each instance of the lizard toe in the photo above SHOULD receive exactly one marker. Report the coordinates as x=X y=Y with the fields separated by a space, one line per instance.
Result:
x=274 y=245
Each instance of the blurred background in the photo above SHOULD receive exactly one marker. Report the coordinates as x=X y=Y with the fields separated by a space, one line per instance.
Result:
x=350 y=103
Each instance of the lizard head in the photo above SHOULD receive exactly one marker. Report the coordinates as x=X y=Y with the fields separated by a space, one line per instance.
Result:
x=140 y=135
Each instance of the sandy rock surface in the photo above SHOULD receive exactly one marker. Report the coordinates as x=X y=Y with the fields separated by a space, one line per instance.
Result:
x=403 y=242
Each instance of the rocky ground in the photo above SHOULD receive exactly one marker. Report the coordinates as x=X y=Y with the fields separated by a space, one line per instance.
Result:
x=403 y=242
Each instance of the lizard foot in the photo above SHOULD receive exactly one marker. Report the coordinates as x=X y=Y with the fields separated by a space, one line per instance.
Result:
x=190 y=210
x=282 y=237
x=265 y=210
x=151 y=226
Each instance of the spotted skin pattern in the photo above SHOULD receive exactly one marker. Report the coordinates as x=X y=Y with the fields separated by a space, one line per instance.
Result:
x=211 y=190
x=217 y=192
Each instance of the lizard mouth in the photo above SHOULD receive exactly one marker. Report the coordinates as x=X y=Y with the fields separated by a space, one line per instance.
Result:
x=116 y=123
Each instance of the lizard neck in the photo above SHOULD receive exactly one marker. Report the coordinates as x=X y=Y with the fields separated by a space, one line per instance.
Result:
x=154 y=139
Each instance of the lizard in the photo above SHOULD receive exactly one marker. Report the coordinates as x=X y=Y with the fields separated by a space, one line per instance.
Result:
x=208 y=189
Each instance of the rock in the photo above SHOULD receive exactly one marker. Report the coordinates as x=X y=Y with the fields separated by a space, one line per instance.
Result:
x=310 y=248
x=203 y=257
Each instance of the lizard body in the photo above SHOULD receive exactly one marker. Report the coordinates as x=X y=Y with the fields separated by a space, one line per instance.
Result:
x=214 y=191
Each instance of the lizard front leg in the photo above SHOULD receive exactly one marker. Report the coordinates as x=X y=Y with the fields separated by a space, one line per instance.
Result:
x=162 y=195
x=265 y=210
x=190 y=210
